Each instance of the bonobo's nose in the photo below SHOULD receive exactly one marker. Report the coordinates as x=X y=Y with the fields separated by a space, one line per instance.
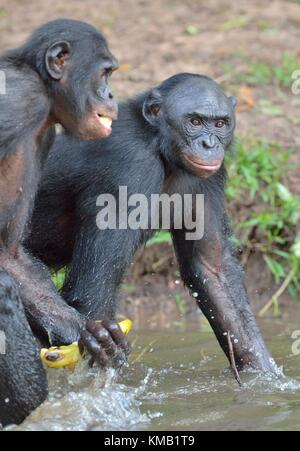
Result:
x=208 y=141
x=105 y=93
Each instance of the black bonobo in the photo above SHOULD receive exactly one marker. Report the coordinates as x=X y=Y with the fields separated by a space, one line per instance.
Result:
x=170 y=140
x=59 y=75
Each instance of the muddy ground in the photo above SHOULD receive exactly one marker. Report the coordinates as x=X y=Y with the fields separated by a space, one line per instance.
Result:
x=155 y=39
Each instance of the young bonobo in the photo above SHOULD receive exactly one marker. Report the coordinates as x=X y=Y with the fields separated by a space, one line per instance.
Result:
x=59 y=75
x=170 y=140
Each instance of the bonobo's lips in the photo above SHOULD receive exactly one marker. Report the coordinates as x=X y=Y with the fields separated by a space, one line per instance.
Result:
x=105 y=121
x=105 y=115
x=201 y=168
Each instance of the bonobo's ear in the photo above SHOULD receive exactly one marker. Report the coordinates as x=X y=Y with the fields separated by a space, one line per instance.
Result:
x=57 y=57
x=233 y=101
x=152 y=107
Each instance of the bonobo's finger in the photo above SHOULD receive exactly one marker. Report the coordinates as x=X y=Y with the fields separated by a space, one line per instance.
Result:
x=115 y=345
x=103 y=337
x=117 y=335
x=95 y=349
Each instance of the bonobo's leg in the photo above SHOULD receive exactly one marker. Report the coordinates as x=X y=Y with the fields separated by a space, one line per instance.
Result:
x=23 y=381
x=215 y=278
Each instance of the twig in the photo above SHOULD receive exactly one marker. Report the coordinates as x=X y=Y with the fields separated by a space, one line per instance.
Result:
x=146 y=348
x=279 y=293
x=232 y=360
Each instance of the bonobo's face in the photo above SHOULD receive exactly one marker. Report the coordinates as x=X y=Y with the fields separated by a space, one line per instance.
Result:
x=99 y=108
x=196 y=120
x=80 y=72
x=202 y=121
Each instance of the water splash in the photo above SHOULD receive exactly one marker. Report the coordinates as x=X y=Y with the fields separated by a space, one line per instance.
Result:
x=87 y=400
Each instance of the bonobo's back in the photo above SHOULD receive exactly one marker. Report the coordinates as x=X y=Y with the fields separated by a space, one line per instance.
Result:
x=19 y=88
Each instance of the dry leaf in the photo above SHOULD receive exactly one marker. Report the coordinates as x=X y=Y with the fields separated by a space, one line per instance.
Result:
x=124 y=68
x=245 y=99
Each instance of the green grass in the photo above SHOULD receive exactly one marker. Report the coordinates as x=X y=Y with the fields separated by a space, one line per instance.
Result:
x=259 y=73
x=257 y=175
x=289 y=64
x=236 y=23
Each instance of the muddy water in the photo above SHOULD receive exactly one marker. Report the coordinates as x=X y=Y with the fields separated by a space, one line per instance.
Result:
x=177 y=381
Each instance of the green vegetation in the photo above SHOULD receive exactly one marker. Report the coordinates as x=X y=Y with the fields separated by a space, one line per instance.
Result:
x=262 y=74
x=257 y=177
x=257 y=74
x=236 y=23
x=58 y=278
x=160 y=238
x=192 y=30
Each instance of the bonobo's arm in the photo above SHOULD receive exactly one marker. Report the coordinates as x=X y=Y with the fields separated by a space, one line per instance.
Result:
x=215 y=278
x=56 y=323
x=97 y=270
x=51 y=319
x=100 y=259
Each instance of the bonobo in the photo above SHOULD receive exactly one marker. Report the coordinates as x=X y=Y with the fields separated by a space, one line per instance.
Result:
x=170 y=140
x=23 y=382
x=59 y=75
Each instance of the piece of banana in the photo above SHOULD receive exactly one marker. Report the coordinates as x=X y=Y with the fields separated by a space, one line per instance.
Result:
x=68 y=356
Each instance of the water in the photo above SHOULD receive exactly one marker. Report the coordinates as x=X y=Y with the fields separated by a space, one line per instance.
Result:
x=177 y=381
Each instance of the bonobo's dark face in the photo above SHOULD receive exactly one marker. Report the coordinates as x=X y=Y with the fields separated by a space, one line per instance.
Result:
x=202 y=121
x=80 y=72
x=196 y=120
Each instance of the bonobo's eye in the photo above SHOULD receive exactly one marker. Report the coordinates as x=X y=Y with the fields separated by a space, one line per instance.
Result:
x=220 y=124
x=106 y=73
x=196 y=122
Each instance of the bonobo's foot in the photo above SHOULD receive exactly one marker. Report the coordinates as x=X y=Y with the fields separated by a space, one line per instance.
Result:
x=106 y=343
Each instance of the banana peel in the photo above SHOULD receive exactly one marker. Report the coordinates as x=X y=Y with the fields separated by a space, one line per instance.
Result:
x=69 y=356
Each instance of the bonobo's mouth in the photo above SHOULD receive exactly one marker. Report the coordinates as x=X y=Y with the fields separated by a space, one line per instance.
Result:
x=105 y=121
x=200 y=167
x=97 y=126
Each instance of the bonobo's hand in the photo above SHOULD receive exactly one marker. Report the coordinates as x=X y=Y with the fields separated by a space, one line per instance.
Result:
x=106 y=343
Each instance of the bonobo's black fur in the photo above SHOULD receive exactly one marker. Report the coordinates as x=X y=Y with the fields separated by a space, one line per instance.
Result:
x=59 y=75
x=26 y=386
x=169 y=140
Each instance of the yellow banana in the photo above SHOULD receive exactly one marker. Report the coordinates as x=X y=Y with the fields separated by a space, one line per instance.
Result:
x=68 y=356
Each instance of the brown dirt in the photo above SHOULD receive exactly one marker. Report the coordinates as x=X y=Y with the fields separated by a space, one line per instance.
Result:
x=150 y=39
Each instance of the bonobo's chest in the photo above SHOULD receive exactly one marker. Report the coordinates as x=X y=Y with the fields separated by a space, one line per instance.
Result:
x=180 y=182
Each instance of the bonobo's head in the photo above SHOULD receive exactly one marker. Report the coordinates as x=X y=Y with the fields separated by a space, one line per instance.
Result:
x=75 y=63
x=196 y=120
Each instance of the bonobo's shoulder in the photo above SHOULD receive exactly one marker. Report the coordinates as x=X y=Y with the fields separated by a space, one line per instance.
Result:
x=21 y=72
x=20 y=82
x=23 y=102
